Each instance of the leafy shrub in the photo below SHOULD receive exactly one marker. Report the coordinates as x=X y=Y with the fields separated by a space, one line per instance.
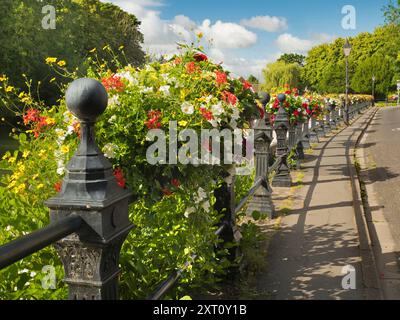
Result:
x=173 y=212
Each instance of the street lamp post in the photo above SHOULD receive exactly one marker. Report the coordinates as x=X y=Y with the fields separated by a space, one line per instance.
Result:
x=347 y=51
x=373 y=88
x=398 y=92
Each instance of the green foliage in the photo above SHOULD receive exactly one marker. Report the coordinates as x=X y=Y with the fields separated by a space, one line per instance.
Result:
x=278 y=74
x=292 y=58
x=173 y=211
x=80 y=27
x=392 y=12
x=378 y=66
x=377 y=52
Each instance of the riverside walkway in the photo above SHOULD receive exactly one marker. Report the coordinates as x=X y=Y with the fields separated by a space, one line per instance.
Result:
x=323 y=236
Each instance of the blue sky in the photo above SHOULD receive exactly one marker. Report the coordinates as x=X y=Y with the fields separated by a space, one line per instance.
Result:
x=247 y=34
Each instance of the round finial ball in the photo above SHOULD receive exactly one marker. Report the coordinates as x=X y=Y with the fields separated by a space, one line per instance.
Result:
x=281 y=97
x=265 y=98
x=86 y=99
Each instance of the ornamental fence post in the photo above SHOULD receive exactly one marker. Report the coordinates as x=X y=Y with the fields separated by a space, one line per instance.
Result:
x=292 y=136
x=326 y=123
x=90 y=190
x=333 y=118
x=313 y=131
x=305 y=139
x=281 y=126
x=225 y=205
x=299 y=143
x=320 y=129
x=261 y=201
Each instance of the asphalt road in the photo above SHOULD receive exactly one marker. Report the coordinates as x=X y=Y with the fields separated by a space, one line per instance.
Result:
x=382 y=149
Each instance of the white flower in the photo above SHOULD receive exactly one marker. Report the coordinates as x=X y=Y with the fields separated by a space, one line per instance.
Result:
x=23 y=271
x=33 y=273
x=217 y=109
x=146 y=89
x=70 y=130
x=8 y=228
x=209 y=98
x=112 y=119
x=299 y=109
x=189 y=211
x=109 y=150
x=60 y=170
x=200 y=196
x=235 y=114
x=206 y=205
x=165 y=90
x=114 y=101
x=128 y=76
x=187 y=108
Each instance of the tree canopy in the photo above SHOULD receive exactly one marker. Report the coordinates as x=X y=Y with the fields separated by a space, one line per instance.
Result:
x=81 y=25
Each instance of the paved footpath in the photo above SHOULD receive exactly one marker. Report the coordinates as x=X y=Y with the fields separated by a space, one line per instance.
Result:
x=322 y=232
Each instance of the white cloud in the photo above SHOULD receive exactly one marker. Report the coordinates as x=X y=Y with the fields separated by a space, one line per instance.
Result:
x=288 y=43
x=266 y=23
x=227 y=34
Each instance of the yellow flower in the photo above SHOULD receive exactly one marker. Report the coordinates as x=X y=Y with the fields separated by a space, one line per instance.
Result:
x=9 y=88
x=42 y=153
x=50 y=121
x=40 y=186
x=64 y=149
x=35 y=176
x=183 y=123
x=61 y=63
x=51 y=60
x=93 y=50
x=26 y=154
x=3 y=78
x=12 y=160
x=21 y=188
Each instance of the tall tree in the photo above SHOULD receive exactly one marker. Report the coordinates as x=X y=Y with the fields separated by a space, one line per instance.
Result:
x=81 y=25
x=292 y=58
x=279 y=73
x=391 y=12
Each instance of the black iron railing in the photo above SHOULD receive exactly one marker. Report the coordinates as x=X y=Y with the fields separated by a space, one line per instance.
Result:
x=89 y=217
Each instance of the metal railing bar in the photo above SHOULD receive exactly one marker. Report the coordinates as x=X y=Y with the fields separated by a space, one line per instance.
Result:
x=251 y=192
x=37 y=240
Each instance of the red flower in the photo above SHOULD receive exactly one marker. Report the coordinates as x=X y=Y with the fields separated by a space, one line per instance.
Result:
x=153 y=121
x=247 y=85
x=229 y=97
x=119 y=176
x=200 y=57
x=221 y=77
x=176 y=183
x=262 y=112
x=113 y=83
x=31 y=115
x=296 y=113
x=304 y=105
x=191 y=67
x=167 y=192
x=206 y=114
x=57 y=186
x=288 y=92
